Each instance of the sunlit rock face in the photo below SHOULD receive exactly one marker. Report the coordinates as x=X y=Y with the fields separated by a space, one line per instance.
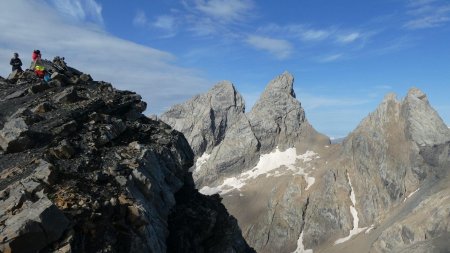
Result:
x=293 y=191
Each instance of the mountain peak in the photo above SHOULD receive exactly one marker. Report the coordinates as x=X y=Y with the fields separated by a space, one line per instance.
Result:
x=283 y=83
x=390 y=97
x=416 y=93
x=224 y=85
x=413 y=115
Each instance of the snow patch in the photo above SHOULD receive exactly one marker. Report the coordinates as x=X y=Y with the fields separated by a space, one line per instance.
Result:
x=370 y=229
x=310 y=181
x=409 y=196
x=355 y=230
x=201 y=160
x=308 y=156
x=268 y=165
x=301 y=247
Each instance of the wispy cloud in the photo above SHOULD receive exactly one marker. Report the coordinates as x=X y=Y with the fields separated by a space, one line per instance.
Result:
x=80 y=10
x=394 y=45
x=166 y=23
x=281 y=49
x=204 y=26
x=140 y=19
x=151 y=72
x=216 y=17
x=225 y=10
x=312 y=35
x=384 y=87
x=299 y=31
x=427 y=14
x=330 y=58
x=348 y=38
x=308 y=33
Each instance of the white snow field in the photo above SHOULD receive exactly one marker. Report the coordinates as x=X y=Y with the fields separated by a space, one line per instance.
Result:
x=268 y=165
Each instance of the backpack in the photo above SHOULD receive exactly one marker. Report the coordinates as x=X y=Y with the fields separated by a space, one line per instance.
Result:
x=39 y=71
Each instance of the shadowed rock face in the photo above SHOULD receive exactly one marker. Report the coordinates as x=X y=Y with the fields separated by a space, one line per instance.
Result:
x=370 y=193
x=82 y=170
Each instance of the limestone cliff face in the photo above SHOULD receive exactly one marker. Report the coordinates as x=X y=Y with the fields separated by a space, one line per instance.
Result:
x=211 y=115
x=400 y=161
x=83 y=170
x=385 y=150
x=292 y=191
x=277 y=119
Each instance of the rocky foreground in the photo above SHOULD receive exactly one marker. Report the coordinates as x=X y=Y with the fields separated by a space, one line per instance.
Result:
x=82 y=170
x=384 y=189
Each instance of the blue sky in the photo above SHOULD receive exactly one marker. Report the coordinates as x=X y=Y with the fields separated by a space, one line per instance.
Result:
x=345 y=55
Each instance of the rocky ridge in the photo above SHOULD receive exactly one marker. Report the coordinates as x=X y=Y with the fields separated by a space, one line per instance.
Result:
x=292 y=191
x=83 y=170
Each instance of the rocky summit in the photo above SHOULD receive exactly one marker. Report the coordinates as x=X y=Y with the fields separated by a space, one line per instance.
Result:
x=384 y=188
x=83 y=170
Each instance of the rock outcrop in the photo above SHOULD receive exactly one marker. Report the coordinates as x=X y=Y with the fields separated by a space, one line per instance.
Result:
x=83 y=170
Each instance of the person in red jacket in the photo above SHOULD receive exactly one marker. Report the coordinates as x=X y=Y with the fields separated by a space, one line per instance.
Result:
x=36 y=65
x=36 y=57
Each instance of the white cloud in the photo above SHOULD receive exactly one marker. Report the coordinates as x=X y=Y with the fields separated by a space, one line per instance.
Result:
x=152 y=73
x=348 y=38
x=204 y=26
x=165 y=22
x=215 y=17
x=427 y=22
x=140 y=19
x=427 y=14
x=281 y=49
x=330 y=58
x=299 y=31
x=415 y=3
x=80 y=10
x=225 y=10
x=311 y=34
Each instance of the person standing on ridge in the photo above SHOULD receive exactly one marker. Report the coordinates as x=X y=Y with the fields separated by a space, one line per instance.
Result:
x=16 y=63
x=37 y=66
x=36 y=57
